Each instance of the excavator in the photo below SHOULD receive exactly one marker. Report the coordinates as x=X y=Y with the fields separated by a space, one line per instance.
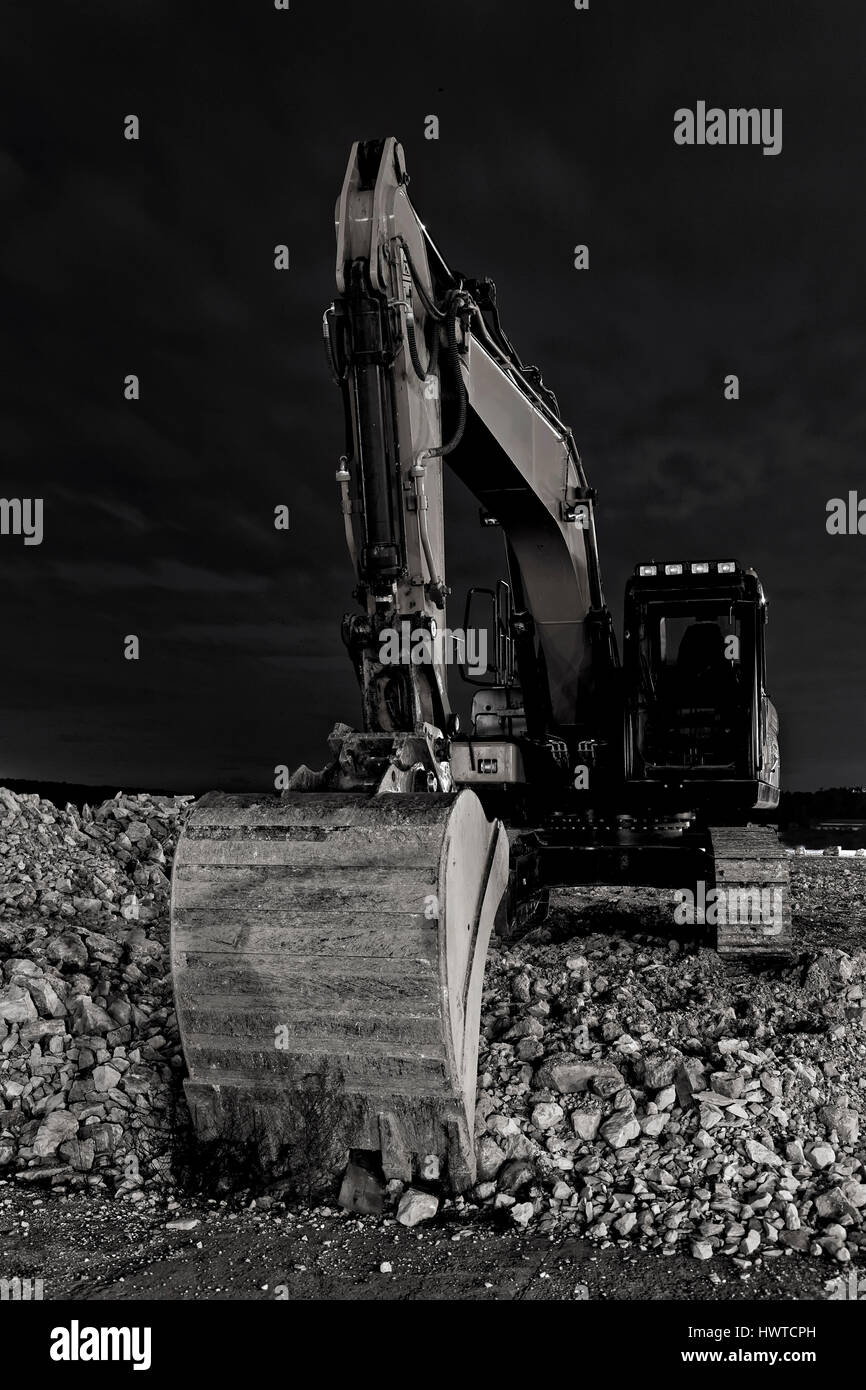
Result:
x=329 y=940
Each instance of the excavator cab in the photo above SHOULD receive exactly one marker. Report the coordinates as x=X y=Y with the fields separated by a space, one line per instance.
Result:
x=698 y=720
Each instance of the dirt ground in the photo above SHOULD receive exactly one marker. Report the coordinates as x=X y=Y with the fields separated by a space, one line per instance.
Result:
x=94 y=1248
x=85 y=1249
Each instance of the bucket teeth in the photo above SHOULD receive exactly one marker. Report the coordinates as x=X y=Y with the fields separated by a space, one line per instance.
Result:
x=328 y=956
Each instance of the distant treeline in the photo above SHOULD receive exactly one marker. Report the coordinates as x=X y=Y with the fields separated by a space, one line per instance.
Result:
x=829 y=803
x=795 y=808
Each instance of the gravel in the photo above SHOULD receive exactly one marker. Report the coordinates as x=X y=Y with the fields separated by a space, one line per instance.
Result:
x=89 y=1050
x=634 y=1091
x=677 y=1102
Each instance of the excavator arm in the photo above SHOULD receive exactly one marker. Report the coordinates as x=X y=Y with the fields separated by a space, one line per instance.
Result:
x=414 y=345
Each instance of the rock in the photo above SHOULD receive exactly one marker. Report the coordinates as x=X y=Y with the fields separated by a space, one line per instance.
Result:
x=520 y=987
x=182 y=1223
x=430 y=1167
x=620 y=1129
x=750 y=1242
x=89 y=1018
x=45 y=1175
x=653 y=1125
x=659 y=1069
x=121 y=1011
x=16 y=1005
x=821 y=1156
x=489 y=1158
x=105 y=1077
x=104 y=1138
x=80 y=1153
x=362 y=1190
x=688 y=1078
x=56 y=1127
x=830 y=1245
x=416 y=1206
x=46 y=998
x=759 y=1153
x=547 y=1116
x=855 y=1192
x=525 y=1028
x=796 y=1240
x=522 y=1213
x=831 y=1204
x=514 y=1175
x=585 y=1124
x=727 y=1083
x=608 y=1083
x=569 y=1073
x=845 y=1122
x=68 y=951
x=702 y=1250
x=626 y=1223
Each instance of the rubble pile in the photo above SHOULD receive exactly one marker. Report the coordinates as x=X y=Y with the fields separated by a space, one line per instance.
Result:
x=828 y=898
x=635 y=1091
x=89 y=1050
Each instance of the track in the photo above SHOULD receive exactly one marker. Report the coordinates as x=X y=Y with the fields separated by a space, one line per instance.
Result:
x=752 y=865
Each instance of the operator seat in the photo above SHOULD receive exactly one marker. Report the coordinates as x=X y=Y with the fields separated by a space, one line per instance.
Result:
x=704 y=675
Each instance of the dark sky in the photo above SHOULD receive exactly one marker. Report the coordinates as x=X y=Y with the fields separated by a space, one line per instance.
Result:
x=556 y=127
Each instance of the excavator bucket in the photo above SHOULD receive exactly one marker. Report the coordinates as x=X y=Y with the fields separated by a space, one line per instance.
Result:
x=328 y=955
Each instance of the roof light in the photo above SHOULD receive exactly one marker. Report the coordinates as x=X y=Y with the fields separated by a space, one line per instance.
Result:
x=726 y=566
x=647 y=571
x=700 y=567
x=673 y=569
